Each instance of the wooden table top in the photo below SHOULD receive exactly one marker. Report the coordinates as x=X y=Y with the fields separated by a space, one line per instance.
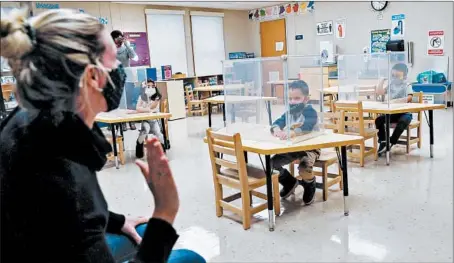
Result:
x=326 y=140
x=363 y=88
x=233 y=99
x=394 y=108
x=122 y=115
x=220 y=87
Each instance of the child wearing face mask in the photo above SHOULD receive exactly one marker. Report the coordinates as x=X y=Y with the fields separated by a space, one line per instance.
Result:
x=303 y=120
x=399 y=90
x=149 y=101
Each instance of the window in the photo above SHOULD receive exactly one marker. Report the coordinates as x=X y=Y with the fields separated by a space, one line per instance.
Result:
x=166 y=39
x=208 y=42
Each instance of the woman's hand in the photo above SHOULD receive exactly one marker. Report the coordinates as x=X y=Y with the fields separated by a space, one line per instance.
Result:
x=159 y=177
x=129 y=228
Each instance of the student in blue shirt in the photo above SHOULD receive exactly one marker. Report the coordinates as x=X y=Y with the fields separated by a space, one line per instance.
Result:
x=303 y=119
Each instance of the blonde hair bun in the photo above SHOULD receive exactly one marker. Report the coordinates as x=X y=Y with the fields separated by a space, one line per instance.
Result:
x=14 y=41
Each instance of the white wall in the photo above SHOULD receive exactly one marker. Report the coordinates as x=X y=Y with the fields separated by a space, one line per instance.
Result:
x=420 y=18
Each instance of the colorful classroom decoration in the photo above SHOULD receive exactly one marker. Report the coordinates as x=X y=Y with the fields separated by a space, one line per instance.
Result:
x=435 y=43
x=398 y=26
x=103 y=20
x=280 y=11
x=378 y=40
x=340 y=28
x=139 y=42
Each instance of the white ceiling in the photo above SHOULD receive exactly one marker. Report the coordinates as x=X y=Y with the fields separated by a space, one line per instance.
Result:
x=210 y=4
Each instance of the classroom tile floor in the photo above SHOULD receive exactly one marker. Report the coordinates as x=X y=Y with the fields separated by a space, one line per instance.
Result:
x=400 y=213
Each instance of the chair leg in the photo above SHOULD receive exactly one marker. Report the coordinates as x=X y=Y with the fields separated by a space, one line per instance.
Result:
x=276 y=196
x=376 y=148
x=246 y=207
x=121 y=152
x=419 y=136
x=325 y=182
x=218 y=192
x=291 y=167
x=362 y=150
x=408 y=139
x=341 y=183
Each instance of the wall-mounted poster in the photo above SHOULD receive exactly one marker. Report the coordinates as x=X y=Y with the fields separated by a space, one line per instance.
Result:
x=325 y=28
x=398 y=26
x=378 y=40
x=139 y=42
x=435 y=43
x=340 y=28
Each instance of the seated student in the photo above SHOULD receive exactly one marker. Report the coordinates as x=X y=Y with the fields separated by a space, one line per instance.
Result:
x=397 y=88
x=149 y=101
x=303 y=120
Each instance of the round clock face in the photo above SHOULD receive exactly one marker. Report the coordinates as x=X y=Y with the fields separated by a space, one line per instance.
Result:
x=379 y=5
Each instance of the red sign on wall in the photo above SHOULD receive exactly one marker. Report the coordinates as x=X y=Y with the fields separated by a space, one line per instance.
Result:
x=139 y=42
x=436 y=42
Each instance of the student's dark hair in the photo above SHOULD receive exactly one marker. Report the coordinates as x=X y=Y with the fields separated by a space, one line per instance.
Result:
x=116 y=33
x=150 y=81
x=401 y=67
x=48 y=54
x=301 y=85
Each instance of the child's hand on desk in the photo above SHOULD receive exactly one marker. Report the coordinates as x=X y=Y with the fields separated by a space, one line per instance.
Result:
x=283 y=135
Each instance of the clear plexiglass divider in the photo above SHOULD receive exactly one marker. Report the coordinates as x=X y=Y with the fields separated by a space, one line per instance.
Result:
x=379 y=79
x=135 y=81
x=277 y=99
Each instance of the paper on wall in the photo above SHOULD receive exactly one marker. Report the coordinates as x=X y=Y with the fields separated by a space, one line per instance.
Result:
x=279 y=46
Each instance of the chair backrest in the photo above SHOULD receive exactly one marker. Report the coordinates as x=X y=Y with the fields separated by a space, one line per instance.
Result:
x=351 y=115
x=189 y=93
x=220 y=145
x=419 y=100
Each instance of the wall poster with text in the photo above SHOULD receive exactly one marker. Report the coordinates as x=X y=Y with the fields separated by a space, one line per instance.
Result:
x=378 y=40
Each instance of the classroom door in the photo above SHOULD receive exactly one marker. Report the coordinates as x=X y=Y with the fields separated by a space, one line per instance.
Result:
x=272 y=32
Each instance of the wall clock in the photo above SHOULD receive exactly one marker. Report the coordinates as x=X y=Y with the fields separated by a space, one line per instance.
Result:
x=379 y=5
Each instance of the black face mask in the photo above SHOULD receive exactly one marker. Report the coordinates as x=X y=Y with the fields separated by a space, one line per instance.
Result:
x=297 y=108
x=113 y=94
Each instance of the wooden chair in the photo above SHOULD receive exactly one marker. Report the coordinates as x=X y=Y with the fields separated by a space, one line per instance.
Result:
x=194 y=106
x=352 y=122
x=165 y=109
x=120 y=149
x=327 y=158
x=237 y=175
x=407 y=139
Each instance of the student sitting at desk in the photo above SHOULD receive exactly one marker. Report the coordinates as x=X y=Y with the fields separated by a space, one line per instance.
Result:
x=397 y=89
x=149 y=101
x=303 y=120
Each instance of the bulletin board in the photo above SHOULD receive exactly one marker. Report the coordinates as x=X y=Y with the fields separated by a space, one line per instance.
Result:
x=139 y=42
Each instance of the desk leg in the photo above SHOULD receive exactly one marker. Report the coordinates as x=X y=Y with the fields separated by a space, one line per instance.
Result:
x=209 y=114
x=232 y=113
x=223 y=114
x=122 y=136
x=245 y=157
x=114 y=144
x=269 y=192
x=268 y=103
x=345 y=178
x=164 y=134
x=431 y=127
x=387 y=127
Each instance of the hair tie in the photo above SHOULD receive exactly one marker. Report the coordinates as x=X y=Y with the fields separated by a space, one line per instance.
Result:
x=31 y=33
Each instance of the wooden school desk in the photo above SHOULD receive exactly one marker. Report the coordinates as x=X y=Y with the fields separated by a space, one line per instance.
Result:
x=236 y=99
x=394 y=108
x=327 y=140
x=119 y=116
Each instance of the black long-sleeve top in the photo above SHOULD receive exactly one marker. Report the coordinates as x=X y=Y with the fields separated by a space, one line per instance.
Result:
x=52 y=207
